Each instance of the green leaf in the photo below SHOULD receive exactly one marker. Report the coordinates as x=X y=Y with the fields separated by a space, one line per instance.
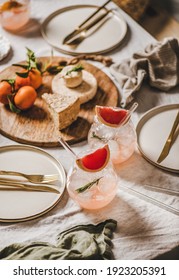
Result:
x=21 y=65
x=54 y=69
x=63 y=63
x=40 y=66
x=88 y=186
x=76 y=68
x=11 y=82
x=32 y=61
x=31 y=54
x=22 y=74
x=12 y=106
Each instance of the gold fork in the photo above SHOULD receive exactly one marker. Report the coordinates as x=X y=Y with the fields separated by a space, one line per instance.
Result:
x=33 y=178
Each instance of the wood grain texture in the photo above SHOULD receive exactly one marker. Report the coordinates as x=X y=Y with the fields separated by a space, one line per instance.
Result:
x=35 y=126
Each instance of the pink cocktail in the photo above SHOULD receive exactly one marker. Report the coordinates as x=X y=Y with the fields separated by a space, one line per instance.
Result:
x=121 y=137
x=14 y=14
x=92 y=190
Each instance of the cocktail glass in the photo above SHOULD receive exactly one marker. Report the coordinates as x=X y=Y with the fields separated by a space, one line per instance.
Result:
x=92 y=190
x=14 y=14
x=121 y=139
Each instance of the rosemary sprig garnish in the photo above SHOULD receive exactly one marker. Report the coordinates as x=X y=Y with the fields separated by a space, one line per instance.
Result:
x=94 y=135
x=88 y=186
x=76 y=68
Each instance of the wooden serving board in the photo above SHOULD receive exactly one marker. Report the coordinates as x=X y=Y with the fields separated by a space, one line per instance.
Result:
x=35 y=126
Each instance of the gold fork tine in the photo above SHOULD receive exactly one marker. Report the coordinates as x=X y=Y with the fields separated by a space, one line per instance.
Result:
x=33 y=178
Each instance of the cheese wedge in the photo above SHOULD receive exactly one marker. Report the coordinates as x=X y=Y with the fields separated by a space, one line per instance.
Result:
x=85 y=91
x=64 y=109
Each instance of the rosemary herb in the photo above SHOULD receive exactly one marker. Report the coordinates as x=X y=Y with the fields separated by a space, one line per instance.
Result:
x=76 y=68
x=88 y=186
x=94 y=135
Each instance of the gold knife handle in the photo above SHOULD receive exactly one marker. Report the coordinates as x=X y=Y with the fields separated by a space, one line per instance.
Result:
x=98 y=19
x=174 y=127
x=17 y=184
x=169 y=140
x=93 y=14
x=3 y=172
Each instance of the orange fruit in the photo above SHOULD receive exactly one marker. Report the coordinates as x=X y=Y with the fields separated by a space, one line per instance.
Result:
x=20 y=81
x=95 y=161
x=25 y=97
x=111 y=116
x=35 y=78
x=5 y=90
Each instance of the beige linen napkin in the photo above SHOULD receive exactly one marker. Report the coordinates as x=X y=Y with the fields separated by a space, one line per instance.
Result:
x=159 y=63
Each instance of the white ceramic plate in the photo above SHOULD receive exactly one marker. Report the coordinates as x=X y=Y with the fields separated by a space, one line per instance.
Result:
x=102 y=38
x=152 y=132
x=25 y=205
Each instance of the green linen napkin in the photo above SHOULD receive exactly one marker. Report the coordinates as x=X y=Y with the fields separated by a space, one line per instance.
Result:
x=86 y=242
x=158 y=63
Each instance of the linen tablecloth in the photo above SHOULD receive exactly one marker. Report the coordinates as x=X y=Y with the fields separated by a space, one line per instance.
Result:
x=144 y=231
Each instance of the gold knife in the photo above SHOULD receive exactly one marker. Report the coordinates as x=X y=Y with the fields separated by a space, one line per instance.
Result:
x=15 y=184
x=80 y=27
x=168 y=144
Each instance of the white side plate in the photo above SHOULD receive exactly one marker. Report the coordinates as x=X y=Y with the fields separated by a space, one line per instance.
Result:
x=106 y=37
x=25 y=205
x=152 y=132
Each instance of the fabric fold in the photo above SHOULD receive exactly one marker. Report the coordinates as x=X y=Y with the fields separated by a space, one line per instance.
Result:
x=80 y=242
x=158 y=63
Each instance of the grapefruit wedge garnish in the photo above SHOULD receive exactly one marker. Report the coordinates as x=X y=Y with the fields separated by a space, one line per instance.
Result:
x=95 y=161
x=111 y=116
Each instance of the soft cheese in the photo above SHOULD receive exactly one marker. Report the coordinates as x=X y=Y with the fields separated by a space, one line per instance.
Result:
x=85 y=91
x=71 y=78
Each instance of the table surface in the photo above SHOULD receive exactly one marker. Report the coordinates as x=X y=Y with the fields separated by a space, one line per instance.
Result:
x=144 y=231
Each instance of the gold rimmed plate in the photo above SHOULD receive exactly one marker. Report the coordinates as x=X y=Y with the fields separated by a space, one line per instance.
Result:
x=16 y=206
x=60 y=23
x=152 y=132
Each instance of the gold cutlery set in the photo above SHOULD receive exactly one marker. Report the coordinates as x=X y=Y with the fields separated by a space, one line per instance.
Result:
x=39 y=182
x=80 y=32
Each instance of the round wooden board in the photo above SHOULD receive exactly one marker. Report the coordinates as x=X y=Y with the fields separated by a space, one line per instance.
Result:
x=36 y=127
